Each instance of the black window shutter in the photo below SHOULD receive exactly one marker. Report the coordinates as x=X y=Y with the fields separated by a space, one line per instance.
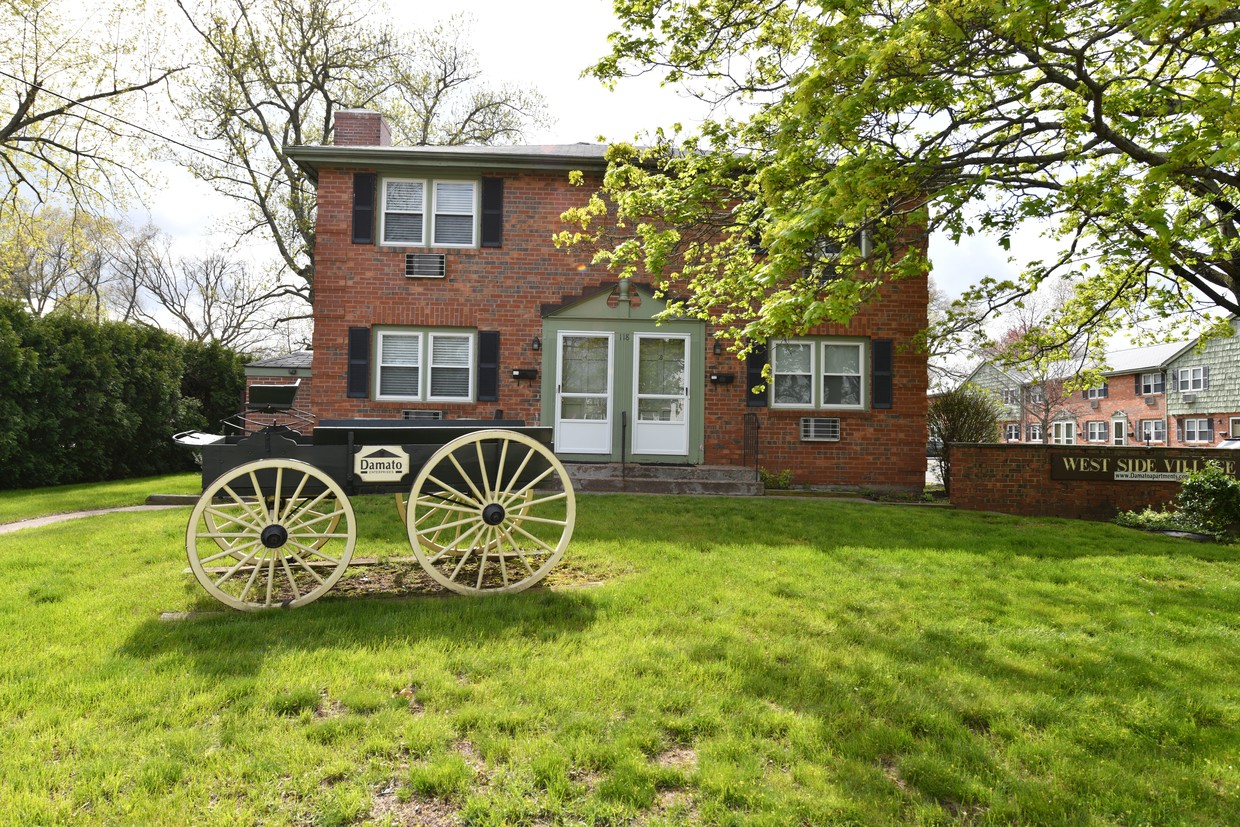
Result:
x=1179 y=430
x=882 y=358
x=1205 y=378
x=358 y=385
x=1085 y=393
x=364 y=207
x=1175 y=380
x=492 y=212
x=1137 y=390
x=1106 y=390
x=754 y=362
x=488 y=365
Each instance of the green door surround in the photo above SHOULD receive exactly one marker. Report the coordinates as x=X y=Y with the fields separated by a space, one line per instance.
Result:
x=593 y=315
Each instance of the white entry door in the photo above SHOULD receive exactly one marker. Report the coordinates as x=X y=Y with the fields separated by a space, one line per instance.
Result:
x=584 y=404
x=661 y=394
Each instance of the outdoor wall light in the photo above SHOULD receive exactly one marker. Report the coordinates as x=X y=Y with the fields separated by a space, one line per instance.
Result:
x=536 y=344
x=718 y=347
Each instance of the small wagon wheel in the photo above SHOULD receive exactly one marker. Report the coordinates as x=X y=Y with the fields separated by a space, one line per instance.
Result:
x=491 y=511
x=281 y=534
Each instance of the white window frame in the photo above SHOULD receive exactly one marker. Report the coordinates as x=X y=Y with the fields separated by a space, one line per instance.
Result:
x=425 y=349
x=1200 y=434
x=1035 y=395
x=1063 y=433
x=1152 y=383
x=1012 y=431
x=1011 y=396
x=1096 y=392
x=1192 y=383
x=1150 y=426
x=473 y=214
x=1101 y=430
x=1035 y=431
x=383 y=211
x=430 y=212
x=817 y=349
x=1234 y=428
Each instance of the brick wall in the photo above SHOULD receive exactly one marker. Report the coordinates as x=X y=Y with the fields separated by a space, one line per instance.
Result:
x=504 y=290
x=1016 y=479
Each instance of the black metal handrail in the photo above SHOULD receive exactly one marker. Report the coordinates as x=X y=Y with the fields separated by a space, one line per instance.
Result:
x=751 y=446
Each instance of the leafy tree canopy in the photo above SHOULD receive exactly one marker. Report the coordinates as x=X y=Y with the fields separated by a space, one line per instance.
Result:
x=1114 y=122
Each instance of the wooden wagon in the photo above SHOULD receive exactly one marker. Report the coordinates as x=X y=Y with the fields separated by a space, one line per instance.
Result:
x=489 y=508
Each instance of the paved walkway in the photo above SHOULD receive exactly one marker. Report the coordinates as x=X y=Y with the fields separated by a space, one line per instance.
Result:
x=8 y=528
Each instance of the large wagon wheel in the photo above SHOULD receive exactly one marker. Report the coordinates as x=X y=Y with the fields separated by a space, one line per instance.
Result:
x=281 y=534
x=476 y=522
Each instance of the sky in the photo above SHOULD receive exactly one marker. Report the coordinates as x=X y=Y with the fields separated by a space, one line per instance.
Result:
x=546 y=44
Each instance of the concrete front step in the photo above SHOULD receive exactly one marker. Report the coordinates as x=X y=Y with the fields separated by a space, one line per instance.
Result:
x=719 y=480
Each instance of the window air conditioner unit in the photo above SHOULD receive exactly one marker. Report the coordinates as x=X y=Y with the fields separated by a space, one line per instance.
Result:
x=425 y=265
x=421 y=414
x=1093 y=403
x=820 y=429
x=1149 y=400
x=1189 y=398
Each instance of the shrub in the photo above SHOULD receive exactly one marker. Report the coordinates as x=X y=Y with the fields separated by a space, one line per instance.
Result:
x=1210 y=499
x=966 y=414
x=1151 y=520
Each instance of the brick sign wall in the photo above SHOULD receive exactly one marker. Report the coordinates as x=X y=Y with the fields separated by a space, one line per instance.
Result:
x=1073 y=481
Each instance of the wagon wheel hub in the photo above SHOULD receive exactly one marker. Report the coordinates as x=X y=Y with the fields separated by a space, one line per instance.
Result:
x=493 y=514
x=274 y=536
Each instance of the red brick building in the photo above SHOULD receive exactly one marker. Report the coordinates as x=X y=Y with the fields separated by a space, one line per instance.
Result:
x=439 y=293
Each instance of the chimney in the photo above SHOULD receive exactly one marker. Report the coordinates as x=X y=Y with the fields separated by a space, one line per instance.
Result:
x=360 y=127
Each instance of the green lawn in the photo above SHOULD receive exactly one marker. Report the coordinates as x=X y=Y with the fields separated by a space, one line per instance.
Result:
x=738 y=661
x=61 y=499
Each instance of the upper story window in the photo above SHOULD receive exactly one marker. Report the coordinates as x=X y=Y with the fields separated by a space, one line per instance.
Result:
x=1193 y=379
x=425 y=365
x=452 y=207
x=1036 y=396
x=815 y=373
x=1099 y=392
x=1151 y=383
x=1011 y=396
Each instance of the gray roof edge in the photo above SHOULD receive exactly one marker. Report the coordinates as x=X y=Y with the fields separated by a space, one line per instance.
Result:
x=516 y=158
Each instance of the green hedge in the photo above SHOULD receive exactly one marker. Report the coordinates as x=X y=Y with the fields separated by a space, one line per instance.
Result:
x=86 y=402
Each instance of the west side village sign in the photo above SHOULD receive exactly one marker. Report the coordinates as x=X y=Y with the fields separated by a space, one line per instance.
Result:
x=1130 y=466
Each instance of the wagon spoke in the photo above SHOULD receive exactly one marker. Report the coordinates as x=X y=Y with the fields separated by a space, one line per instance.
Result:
x=271 y=578
x=499 y=468
x=482 y=562
x=320 y=518
x=516 y=475
x=482 y=472
x=233 y=517
x=460 y=563
x=231 y=551
x=295 y=498
x=529 y=518
x=298 y=559
x=259 y=517
x=532 y=537
x=517 y=549
x=499 y=544
x=461 y=497
x=253 y=574
x=275 y=495
x=558 y=495
x=477 y=494
x=446 y=506
x=456 y=543
x=291 y=582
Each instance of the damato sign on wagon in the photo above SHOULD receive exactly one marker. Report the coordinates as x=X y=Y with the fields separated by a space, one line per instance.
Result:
x=1128 y=466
